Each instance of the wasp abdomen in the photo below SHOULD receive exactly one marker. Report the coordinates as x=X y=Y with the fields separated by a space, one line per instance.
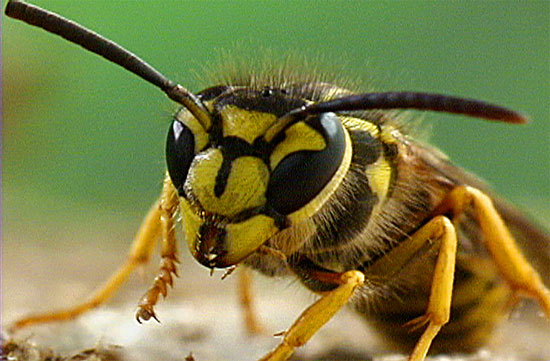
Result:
x=479 y=301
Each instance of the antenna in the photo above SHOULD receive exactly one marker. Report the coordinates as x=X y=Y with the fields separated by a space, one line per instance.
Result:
x=89 y=40
x=399 y=100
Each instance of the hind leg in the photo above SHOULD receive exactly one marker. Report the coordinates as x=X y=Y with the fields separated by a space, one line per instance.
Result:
x=512 y=265
x=439 y=233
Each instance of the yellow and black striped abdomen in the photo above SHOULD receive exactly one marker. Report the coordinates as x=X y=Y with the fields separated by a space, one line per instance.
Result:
x=478 y=303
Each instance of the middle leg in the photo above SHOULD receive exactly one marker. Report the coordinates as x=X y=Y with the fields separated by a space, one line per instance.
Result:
x=440 y=233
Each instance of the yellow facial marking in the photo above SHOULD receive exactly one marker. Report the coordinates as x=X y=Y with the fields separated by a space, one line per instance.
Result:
x=245 y=124
x=245 y=237
x=200 y=134
x=299 y=136
x=246 y=184
x=192 y=224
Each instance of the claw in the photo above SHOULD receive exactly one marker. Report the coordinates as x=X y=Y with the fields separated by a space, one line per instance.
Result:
x=145 y=314
x=155 y=317
x=417 y=323
x=139 y=317
x=229 y=271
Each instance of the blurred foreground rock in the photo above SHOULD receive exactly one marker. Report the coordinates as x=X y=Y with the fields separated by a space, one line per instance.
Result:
x=201 y=317
x=214 y=332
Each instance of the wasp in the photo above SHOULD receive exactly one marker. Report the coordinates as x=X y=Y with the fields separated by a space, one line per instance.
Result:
x=296 y=176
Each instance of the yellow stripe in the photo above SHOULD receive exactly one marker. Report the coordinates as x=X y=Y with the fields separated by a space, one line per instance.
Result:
x=380 y=173
x=245 y=124
x=246 y=184
x=201 y=136
x=356 y=124
x=299 y=136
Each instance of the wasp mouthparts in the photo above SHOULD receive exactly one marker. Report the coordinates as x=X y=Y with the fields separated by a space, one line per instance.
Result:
x=210 y=246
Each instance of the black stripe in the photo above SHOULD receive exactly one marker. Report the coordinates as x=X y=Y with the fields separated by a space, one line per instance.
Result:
x=366 y=148
x=222 y=176
x=212 y=92
x=233 y=148
x=350 y=216
x=275 y=101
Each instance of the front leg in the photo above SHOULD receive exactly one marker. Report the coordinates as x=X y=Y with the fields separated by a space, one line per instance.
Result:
x=169 y=257
x=316 y=315
x=140 y=251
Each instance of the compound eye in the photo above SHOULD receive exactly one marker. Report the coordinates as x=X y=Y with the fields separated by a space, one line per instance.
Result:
x=303 y=174
x=180 y=151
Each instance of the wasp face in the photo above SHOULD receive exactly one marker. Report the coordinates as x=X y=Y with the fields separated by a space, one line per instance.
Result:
x=238 y=189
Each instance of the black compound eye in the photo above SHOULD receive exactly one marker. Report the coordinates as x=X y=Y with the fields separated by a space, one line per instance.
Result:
x=300 y=176
x=180 y=151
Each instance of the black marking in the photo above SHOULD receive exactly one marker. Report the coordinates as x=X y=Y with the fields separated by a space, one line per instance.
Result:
x=233 y=148
x=212 y=92
x=390 y=151
x=272 y=101
x=215 y=133
x=349 y=217
x=264 y=149
x=281 y=221
x=222 y=177
x=366 y=148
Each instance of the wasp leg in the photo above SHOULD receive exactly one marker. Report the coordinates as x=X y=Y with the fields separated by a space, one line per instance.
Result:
x=252 y=324
x=316 y=315
x=169 y=256
x=140 y=251
x=512 y=265
x=441 y=231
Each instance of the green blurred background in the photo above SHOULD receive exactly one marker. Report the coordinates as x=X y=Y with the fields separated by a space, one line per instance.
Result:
x=83 y=140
